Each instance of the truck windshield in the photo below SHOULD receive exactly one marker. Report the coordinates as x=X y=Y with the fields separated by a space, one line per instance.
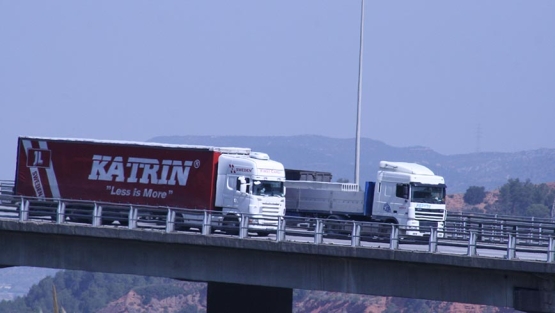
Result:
x=267 y=188
x=428 y=194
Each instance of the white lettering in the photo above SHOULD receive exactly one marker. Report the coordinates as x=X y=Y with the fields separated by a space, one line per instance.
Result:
x=97 y=171
x=38 y=185
x=149 y=170
x=165 y=170
x=120 y=192
x=38 y=158
x=116 y=169
x=149 y=193
x=180 y=172
x=134 y=168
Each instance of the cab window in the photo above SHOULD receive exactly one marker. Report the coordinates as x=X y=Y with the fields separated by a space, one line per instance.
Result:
x=402 y=191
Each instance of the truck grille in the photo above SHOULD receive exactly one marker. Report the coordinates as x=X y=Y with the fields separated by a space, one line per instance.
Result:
x=270 y=209
x=429 y=214
x=270 y=213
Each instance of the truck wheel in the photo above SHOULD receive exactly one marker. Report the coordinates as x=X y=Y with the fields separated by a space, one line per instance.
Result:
x=180 y=224
x=232 y=225
x=334 y=227
x=384 y=230
x=263 y=233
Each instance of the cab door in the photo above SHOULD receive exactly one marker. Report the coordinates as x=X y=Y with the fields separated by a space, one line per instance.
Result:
x=242 y=195
x=230 y=192
x=392 y=199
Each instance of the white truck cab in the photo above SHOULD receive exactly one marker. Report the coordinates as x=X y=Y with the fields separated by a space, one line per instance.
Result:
x=412 y=195
x=251 y=184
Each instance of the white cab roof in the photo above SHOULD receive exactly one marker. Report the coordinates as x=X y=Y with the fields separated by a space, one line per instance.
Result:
x=404 y=167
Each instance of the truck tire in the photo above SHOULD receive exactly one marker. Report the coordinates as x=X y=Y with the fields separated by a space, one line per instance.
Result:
x=231 y=225
x=263 y=233
x=384 y=230
x=180 y=224
x=334 y=228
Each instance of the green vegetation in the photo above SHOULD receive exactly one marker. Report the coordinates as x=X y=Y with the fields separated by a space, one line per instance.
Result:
x=305 y=301
x=525 y=199
x=474 y=195
x=516 y=198
x=92 y=292
x=158 y=292
x=79 y=291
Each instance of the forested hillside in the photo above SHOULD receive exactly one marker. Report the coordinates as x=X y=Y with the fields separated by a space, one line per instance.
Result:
x=79 y=291
x=84 y=292
x=514 y=198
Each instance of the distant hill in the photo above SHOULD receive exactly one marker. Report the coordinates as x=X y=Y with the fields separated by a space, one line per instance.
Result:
x=488 y=169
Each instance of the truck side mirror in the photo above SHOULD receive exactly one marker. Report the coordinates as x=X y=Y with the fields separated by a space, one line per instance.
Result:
x=242 y=184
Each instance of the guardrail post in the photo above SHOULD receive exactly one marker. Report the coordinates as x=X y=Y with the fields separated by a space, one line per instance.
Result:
x=511 y=247
x=206 y=223
x=132 y=217
x=23 y=210
x=531 y=232
x=170 y=221
x=244 y=226
x=394 y=237
x=319 y=232
x=463 y=230
x=432 y=247
x=355 y=235
x=60 y=212
x=501 y=228
x=280 y=235
x=551 y=250
x=97 y=215
x=472 y=244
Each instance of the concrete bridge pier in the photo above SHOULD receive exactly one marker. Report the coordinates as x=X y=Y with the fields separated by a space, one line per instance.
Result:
x=541 y=300
x=225 y=298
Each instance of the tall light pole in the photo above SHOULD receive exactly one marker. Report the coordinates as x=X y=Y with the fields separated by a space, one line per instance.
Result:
x=359 y=100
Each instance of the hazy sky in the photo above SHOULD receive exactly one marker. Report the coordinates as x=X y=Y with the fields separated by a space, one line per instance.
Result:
x=454 y=76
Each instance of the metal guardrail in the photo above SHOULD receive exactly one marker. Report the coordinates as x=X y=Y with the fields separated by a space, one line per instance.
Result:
x=494 y=228
x=472 y=240
x=6 y=189
x=455 y=215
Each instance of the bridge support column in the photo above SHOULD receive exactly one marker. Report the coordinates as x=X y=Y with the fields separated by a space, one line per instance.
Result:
x=225 y=298
x=536 y=301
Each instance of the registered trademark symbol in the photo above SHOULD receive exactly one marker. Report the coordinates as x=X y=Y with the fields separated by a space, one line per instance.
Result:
x=197 y=163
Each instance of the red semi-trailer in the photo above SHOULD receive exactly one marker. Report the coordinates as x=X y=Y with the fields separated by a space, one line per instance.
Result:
x=117 y=172
x=153 y=174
